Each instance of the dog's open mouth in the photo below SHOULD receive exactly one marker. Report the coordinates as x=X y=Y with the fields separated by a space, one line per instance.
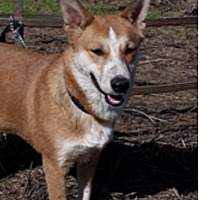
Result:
x=113 y=100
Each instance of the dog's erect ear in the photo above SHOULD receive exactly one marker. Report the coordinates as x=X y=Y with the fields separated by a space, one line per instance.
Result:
x=136 y=13
x=75 y=15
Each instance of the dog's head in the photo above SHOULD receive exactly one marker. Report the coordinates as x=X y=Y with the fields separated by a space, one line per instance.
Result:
x=105 y=52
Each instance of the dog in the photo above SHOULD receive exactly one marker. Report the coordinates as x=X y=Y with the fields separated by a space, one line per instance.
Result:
x=65 y=105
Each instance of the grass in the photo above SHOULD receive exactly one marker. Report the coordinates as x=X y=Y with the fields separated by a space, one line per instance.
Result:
x=156 y=15
x=43 y=7
x=49 y=7
x=99 y=9
x=31 y=7
x=52 y=7
x=6 y=7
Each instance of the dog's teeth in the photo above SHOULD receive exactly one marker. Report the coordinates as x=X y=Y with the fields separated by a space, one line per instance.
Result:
x=114 y=101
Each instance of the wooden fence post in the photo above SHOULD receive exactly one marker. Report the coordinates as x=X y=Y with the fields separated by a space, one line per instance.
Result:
x=18 y=9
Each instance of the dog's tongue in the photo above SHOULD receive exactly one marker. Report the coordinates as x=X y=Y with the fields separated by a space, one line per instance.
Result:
x=115 y=100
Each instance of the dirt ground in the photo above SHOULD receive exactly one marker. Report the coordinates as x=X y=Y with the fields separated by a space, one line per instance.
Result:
x=154 y=152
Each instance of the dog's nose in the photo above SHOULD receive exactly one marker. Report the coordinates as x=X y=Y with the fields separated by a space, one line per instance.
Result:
x=120 y=84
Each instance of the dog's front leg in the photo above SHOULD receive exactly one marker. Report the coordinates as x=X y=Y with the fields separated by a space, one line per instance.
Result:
x=55 y=178
x=86 y=173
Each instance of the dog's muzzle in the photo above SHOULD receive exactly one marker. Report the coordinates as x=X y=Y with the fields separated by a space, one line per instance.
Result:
x=119 y=85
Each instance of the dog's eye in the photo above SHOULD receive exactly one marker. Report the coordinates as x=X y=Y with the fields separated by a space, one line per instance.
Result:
x=97 y=52
x=129 y=50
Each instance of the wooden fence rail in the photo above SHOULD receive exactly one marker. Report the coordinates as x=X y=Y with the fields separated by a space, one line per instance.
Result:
x=57 y=22
x=154 y=89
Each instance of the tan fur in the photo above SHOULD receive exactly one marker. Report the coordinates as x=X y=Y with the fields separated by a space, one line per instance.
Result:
x=35 y=103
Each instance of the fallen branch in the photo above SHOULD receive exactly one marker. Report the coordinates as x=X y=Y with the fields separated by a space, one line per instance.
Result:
x=151 y=118
x=155 y=60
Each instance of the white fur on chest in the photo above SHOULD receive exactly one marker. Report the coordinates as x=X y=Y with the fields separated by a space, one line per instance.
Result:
x=80 y=150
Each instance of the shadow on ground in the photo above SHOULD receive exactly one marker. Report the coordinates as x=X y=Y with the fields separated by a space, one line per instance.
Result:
x=140 y=170
x=16 y=155
x=145 y=169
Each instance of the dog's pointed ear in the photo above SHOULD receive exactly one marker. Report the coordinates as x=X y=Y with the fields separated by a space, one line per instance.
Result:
x=136 y=13
x=75 y=15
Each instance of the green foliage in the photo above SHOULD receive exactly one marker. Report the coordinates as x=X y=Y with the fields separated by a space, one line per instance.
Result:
x=50 y=7
x=6 y=7
x=156 y=15
x=99 y=9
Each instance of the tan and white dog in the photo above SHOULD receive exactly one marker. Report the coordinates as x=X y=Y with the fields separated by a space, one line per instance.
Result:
x=65 y=105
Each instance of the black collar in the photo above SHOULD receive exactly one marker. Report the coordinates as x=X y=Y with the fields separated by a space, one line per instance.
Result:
x=81 y=107
x=77 y=103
